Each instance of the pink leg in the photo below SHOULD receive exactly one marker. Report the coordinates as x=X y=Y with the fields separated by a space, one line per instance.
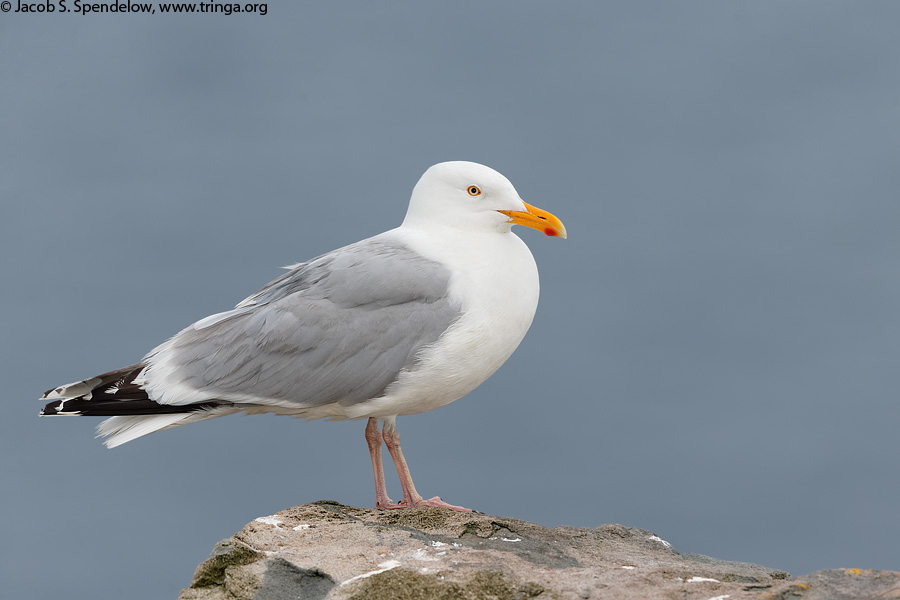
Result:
x=411 y=497
x=373 y=438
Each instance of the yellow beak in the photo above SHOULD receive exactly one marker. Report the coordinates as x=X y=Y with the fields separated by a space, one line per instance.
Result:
x=537 y=219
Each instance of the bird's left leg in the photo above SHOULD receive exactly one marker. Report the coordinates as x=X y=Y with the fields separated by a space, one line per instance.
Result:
x=411 y=497
x=373 y=438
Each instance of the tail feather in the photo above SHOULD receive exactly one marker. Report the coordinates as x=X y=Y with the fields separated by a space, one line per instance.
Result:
x=121 y=429
x=120 y=395
x=118 y=430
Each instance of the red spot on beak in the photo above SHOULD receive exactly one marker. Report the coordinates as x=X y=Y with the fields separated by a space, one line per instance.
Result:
x=550 y=232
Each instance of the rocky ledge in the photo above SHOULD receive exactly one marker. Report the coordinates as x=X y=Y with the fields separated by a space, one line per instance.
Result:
x=327 y=550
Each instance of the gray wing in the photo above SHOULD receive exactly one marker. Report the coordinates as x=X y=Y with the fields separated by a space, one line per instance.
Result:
x=338 y=328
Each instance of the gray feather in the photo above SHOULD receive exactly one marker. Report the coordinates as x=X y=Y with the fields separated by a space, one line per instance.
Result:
x=338 y=328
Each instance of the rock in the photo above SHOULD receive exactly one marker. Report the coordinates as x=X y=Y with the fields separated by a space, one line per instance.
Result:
x=327 y=550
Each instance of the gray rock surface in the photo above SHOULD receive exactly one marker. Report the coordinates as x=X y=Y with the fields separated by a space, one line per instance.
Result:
x=327 y=550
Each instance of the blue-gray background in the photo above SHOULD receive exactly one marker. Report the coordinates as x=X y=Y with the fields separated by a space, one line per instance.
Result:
x=716 y=356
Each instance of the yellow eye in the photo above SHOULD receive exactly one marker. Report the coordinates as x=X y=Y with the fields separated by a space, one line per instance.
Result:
x=474 y=190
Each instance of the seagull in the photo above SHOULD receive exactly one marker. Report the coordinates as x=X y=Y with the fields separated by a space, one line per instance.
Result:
x=400 y=323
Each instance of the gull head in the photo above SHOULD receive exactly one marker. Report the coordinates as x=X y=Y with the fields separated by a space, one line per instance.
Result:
x=470 y=196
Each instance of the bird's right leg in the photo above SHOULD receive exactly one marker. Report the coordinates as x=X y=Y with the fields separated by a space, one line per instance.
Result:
x=374 y=439
x=411 y=497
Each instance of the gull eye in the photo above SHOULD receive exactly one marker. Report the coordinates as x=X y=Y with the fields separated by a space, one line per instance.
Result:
x=474 y=190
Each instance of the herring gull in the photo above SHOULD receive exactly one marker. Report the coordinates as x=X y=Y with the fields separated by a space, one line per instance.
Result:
x=400 y=323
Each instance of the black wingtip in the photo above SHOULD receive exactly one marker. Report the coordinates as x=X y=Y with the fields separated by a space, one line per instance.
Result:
x=53 y=409
x=50 y=409
x=110 y=395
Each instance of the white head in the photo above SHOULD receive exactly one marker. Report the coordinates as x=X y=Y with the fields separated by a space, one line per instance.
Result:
x=467 y=195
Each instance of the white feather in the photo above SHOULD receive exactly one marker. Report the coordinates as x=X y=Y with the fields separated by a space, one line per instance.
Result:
x=218 y=318
x=72 y=390
x=119 y=430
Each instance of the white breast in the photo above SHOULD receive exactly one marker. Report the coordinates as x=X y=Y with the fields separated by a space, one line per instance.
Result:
x=495 y=280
